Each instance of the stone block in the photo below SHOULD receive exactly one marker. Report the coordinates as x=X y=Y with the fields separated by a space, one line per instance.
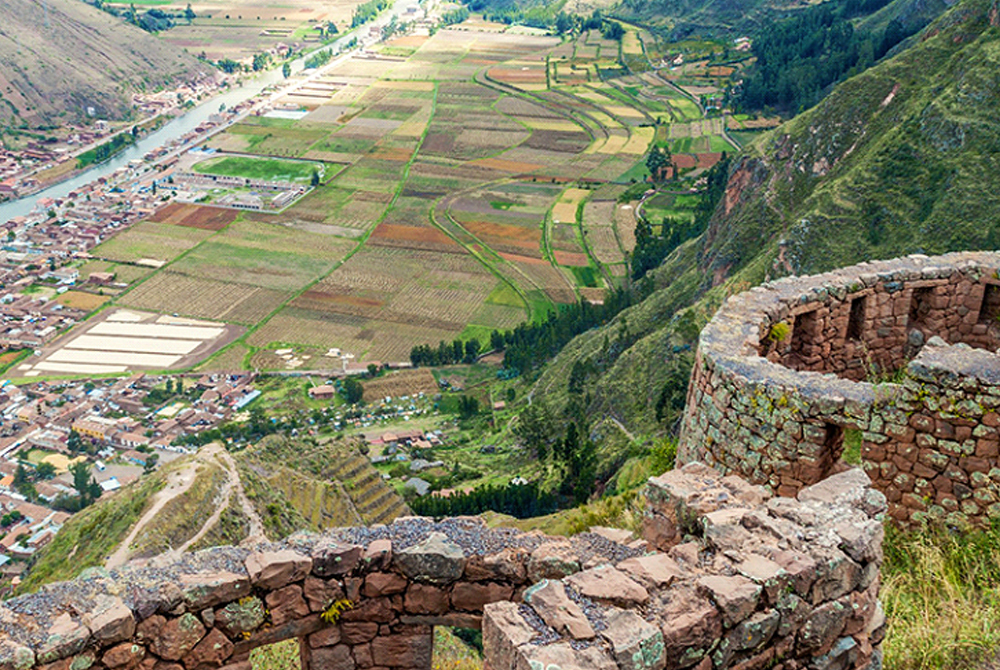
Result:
x=334 y=559
x=109 y=620
x=635 y=643
x=213 y=650
x=274 y=569
x=549 y=600
x=332 y=658
x=286 y=604
x=654 y=571
x=383 y=584
x=552 y=560
x=242 y=616
x=473 y=597
x=608 y=585
x=177 y=637
x=736 y=597
x=436 y=560
x=403 y=651
x=426 y=599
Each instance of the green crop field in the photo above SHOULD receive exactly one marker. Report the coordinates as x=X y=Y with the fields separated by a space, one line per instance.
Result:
x=266 y=169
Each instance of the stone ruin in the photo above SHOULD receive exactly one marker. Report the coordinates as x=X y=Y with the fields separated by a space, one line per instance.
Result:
x=903 y=351
x=727 y=576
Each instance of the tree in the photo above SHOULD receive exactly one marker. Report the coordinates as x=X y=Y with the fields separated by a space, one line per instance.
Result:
x=286 y=71
x=189 y=13
x=150 y=465
x=45 y=470
x=331 y=28
x=468 y=407
x=353 y=390
x=372 y=369
x=564 y=23
x=314 y=179
x=74 y=442
x=657 y=160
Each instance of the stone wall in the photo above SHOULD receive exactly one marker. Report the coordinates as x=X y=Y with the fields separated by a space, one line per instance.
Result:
x=902 y=350
x=729 y=577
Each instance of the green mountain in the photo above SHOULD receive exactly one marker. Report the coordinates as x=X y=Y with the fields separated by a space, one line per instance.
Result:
x=902 y=158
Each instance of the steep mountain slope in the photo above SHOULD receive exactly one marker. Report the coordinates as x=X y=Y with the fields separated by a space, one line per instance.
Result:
x=903 y=158
x=213 y=498
x=59 y=57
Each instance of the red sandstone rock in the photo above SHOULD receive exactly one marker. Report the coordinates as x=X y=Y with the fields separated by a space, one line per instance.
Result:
x=736 y=597
x=378 y=555
x=472 y=597
x=609 y=585
x=553 y=560
x=332 y=559
x=332 y=658
x=177 y=637
x=371 y=609
x=327 y=637
x=426 y=599
x=548 y=598
x=321 y=593
x=654 y=571
x=358 y=632
x=126 y=655
x=383 y=584
x=110 y=620
x=212 y=650
x=689 y=621
x=402 y=651
x=286 y=604
x=274 y=569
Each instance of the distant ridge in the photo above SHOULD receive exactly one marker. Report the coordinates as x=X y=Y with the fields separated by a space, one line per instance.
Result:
x=59 y=57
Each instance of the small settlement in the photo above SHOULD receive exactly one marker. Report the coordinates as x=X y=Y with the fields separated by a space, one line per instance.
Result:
x=119 y=427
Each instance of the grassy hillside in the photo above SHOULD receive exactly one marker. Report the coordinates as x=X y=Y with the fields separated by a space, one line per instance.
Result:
x=59 y=57
x=897 y=160
x=214 y=498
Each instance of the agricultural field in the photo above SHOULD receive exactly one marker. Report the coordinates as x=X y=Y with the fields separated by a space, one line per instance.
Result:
x=264 y=169
x=240 y=28
x=471 y=182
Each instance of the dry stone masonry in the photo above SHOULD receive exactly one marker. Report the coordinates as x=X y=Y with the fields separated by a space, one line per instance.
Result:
x=903 y=351
x=727 y=577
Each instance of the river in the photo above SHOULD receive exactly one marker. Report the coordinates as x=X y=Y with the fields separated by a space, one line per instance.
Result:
x=185 y=123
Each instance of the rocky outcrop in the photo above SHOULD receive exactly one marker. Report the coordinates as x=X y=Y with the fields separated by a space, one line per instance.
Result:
x=729 y=577
x=784 y=369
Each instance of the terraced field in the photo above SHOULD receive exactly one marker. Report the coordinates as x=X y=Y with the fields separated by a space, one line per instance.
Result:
x=466 y=190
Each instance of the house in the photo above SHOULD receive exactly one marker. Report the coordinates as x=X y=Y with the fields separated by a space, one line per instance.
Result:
x=324 y=392
x=419 y=486
x=101 y=278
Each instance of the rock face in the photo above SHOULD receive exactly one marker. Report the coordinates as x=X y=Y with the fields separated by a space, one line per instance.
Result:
x=799 y=590
x=782 y=371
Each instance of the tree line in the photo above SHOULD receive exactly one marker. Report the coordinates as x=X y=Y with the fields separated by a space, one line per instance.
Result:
x=518 y=500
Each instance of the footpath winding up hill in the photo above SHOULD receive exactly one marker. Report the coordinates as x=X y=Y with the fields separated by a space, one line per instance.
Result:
x=216 y=498
x=59 y=57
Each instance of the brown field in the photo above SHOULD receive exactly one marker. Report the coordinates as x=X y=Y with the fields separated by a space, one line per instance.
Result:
x=195 y=216
x=392 y=234
x=82 y=300
x=571 y=259
x=401 y=383
x=625 y=222
x=172 y=292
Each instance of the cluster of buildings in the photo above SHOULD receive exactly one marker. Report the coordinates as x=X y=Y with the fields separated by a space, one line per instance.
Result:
x=19 y=167
x=115 y=425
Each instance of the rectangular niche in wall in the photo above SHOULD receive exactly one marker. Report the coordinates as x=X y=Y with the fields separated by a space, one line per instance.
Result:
x=804 y=334
x=920 y=305
x=856 y=321
x=989 y=311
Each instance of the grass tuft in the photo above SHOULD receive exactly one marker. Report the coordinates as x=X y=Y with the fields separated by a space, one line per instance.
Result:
x=941 y=593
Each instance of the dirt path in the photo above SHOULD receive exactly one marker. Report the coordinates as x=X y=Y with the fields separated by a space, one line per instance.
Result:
x=256 y=524
x=178 y=483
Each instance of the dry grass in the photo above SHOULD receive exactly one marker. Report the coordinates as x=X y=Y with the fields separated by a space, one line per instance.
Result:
x=941 y=593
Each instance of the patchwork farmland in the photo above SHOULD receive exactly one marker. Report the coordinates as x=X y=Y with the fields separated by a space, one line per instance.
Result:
x=463 y=191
